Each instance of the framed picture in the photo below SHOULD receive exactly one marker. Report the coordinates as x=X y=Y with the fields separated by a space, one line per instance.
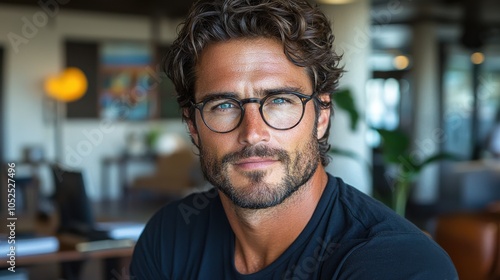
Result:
x=124 y=81
x=127 y=86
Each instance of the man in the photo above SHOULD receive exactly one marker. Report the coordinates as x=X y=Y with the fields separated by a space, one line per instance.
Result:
x=254 y=79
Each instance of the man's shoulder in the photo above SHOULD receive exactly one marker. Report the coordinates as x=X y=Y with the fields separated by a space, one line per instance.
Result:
x=187 y=210
x=415 y=254
x=182 y=222
x=176 y=234
x=370 y=215
x=383 y=238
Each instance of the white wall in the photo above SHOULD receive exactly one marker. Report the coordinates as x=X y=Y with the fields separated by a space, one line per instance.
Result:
x=351 y=28
x=427 y=132
x=27 y=119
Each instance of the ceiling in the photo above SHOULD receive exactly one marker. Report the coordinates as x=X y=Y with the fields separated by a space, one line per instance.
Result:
x=472 y=22
x=449 y=9
x=169 y=8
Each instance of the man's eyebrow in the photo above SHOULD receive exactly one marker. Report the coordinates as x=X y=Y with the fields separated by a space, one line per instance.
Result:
x=258 y=93
x=280 y=89
x=215 y=95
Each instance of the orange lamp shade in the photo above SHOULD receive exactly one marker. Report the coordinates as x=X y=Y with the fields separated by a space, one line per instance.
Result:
x=68 y=86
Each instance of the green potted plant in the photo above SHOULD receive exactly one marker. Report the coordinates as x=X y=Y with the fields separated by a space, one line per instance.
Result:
x=396 y=151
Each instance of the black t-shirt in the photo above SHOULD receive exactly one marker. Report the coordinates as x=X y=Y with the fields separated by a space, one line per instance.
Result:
x=350 y=236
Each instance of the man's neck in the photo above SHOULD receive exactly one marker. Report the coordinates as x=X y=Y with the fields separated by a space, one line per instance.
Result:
x=262 y=235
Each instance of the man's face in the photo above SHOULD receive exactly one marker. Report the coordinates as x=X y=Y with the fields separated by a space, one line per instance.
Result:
x=255 y=166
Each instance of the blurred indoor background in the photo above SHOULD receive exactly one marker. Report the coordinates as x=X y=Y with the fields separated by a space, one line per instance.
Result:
x=81 y=86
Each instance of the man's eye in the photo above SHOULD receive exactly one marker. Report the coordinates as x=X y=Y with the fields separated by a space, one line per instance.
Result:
x=225 y=106
x=282 y=100
x=278 y=100
x=221 y=105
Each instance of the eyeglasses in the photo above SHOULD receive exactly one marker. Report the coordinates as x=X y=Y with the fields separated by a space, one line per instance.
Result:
x=279 y=110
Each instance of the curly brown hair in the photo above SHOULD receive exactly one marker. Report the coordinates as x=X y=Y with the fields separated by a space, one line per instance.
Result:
x=303 y=30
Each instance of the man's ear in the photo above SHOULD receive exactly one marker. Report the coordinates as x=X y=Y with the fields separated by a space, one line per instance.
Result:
x=191 y=127
x=324 y=114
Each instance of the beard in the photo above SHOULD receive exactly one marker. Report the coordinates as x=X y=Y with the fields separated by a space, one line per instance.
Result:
x=259 y=194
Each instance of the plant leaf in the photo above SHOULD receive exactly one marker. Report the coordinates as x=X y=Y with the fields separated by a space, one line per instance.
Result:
x=395 y=144
x=345 y=101
x=434 y=158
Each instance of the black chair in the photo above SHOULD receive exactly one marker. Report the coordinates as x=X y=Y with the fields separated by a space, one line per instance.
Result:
x=74 y=207
x=75 y=215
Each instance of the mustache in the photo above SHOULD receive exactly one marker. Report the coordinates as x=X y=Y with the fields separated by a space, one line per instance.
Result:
x=256 y=151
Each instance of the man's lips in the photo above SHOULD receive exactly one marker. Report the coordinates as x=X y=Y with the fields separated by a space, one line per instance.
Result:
x=255 y=163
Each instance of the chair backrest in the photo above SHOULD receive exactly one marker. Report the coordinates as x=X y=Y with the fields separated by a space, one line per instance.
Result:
x=471 y=240
x=70 y=196
x=177 y=167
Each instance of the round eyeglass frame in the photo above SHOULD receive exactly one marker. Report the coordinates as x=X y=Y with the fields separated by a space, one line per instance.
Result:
x=241 y=102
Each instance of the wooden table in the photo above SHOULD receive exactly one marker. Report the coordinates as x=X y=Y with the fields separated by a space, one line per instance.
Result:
x=122 y=162
x=68 y=256
x=115 y=261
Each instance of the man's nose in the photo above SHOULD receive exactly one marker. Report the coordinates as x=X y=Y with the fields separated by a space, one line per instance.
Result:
x=253 y=129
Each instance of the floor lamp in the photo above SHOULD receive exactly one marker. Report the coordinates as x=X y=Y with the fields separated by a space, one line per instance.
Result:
x=70 y=85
